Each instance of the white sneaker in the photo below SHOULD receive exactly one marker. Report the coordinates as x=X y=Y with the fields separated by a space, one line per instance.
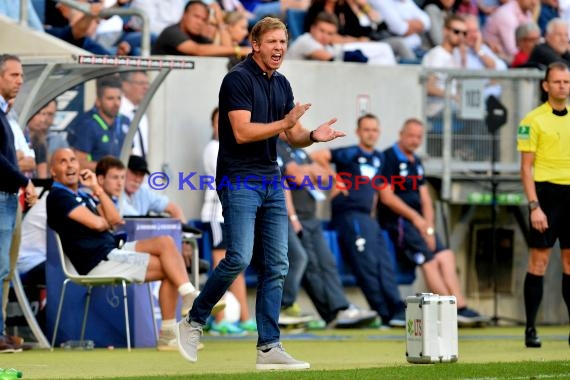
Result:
x=168 y=342
x=188 y=338
x=277 y=358
x=353 y=316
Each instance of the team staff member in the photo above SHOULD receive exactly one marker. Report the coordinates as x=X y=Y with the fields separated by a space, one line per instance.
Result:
x=543 y=139
x=100 y=131
x=256 y=105
x=11 y=80
x=359 y=233
x=406 y=212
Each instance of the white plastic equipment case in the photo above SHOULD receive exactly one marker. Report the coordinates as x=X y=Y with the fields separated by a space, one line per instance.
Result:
x=431 y=328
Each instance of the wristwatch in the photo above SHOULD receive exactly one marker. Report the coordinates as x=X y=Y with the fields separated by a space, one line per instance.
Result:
x=533 y=205
x=430 y=231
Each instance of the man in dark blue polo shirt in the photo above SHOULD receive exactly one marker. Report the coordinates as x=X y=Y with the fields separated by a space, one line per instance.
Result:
x=256 y=105
x=353 y=199
x=100 y=131
x=406 y=212
x=11 y=79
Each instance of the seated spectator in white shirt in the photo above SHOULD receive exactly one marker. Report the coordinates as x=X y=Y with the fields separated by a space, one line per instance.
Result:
x=404 y=18
x=317 y=45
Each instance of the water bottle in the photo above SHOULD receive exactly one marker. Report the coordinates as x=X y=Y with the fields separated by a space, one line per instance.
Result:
x=10 y=374
x=78 y=345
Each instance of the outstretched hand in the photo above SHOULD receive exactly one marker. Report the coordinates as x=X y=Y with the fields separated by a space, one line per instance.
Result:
x=295 y=114
x=325 y=132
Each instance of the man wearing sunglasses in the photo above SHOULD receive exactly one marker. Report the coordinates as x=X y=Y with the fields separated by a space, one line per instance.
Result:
x=441 y=57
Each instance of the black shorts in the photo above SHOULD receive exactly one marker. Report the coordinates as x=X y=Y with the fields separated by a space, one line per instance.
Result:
x=555 y=203
x=411 y=248
x=215 y=234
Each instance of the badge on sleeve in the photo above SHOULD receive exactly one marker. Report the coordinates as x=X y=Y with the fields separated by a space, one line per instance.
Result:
x=523 y=132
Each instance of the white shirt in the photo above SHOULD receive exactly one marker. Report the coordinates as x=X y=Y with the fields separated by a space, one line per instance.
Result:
x=128 y=109
x=33 y=248
x=438 y=57
x=396 y=13
x=305 y=45
x=20 y=142
x=212 y=208
x=161 y=13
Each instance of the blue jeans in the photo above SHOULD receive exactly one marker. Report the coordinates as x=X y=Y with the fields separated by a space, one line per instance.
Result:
x=255 y=229
x=297 y=263
x=8 y=210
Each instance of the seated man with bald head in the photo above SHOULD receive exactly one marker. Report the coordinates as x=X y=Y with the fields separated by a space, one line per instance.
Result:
x=85 y=222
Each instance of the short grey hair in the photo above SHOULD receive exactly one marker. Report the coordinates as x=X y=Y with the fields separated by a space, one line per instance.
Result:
x=5 y=58
x=554 y=23
x=523 y=30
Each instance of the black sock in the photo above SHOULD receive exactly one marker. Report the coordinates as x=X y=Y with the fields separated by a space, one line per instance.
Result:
x=532 y=297
x=566 y=290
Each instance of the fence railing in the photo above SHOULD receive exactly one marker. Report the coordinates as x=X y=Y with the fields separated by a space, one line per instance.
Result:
x=458 y=139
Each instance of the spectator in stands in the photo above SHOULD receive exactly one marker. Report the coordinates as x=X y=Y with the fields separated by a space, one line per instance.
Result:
x=318 y=45
x=113 y=34
x=212 y=215
x=161 y=13
x=358 y=22
x=79 y=28
x=277 y=8
x=359 y=233
x=499 y=32
x=185 y=38
x=441 y=56
x=437 y=10
x=476 y=55
x=234 y=31
x=101 y=130
x=466 y=8
x=320 y=277
x=487 y=7
x=549 y=10
x=134 y=85
x=405 y=19
x=527 y=36
x=555 y=45
x=83 y=223
x=406 y=212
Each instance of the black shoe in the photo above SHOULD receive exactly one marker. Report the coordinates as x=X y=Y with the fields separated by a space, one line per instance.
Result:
x=531 y=340
x=191 y=230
